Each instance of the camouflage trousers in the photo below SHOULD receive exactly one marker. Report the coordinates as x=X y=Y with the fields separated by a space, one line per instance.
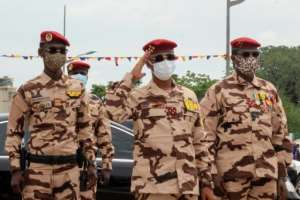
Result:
x=250 y=189
x=45 y=182
x=166 y=197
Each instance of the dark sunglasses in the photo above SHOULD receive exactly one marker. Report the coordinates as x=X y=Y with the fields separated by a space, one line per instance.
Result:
x=53 y=50
x=247 y=54
x=162 y=57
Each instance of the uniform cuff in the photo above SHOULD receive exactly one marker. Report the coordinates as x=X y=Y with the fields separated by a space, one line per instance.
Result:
x=15 y=165
x=106 y=164
x=282 y=171
x=90 y=155
x=127 y=80
x=205 y=180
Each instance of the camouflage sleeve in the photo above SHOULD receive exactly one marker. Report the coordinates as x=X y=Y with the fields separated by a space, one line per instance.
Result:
x=15 y=129
x=202 y=156
x=210 y=116
x=104 y=139
x=119 y=100
x=282 y=144
x=85 y=135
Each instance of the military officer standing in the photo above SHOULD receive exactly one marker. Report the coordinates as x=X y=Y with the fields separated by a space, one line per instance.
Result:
x=54 y=109
x=168 y=154
x=100 y=127
x=247 y=129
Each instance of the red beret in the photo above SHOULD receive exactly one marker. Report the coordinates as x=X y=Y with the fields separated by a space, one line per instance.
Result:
x=160 y=45
x=78 y=65
x=245 y=43
x=49 y=36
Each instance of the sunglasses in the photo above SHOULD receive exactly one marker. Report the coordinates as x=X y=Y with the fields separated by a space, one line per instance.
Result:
x=53 y=50
x=247 y=54
x=162 y=57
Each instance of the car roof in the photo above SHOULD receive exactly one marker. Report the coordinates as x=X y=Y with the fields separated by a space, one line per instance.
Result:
x=3 y=116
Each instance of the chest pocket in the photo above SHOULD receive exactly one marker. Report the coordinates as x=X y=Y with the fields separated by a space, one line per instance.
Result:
x=71 y=109
x=235 y=114
x=41 y=108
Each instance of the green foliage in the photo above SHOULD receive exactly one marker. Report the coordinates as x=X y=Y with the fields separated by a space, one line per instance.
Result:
x=99 y=90
x=199 y=83
x=293 y=116
x=281 y=66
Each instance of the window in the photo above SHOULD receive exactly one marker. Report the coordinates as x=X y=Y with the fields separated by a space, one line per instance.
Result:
x=123 y=142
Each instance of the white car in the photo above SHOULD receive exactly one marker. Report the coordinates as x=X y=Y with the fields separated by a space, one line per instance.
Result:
x=293 y=181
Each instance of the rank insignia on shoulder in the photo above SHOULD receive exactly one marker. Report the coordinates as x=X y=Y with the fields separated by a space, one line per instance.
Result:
x=191 y=105
x=74 y=93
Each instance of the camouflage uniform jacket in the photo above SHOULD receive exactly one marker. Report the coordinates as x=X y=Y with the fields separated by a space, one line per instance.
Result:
x=246 y=128
x=168 y=153
x=56 y=113
x=102 y=131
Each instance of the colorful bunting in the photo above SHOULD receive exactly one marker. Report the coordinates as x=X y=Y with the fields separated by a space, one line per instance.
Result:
x=116 y=59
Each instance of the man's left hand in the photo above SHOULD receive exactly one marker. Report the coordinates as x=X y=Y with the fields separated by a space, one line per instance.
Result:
x=281 y=189
x=92 y=176
x=105 y=176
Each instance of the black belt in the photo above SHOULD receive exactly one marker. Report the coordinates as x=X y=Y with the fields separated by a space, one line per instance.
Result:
x=52 y=160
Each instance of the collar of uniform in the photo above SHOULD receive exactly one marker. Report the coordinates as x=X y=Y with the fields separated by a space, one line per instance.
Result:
x=154 y=89
x=47 y=79
x=242 y=81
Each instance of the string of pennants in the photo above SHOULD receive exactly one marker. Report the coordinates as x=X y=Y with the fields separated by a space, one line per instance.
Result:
x=116 y=59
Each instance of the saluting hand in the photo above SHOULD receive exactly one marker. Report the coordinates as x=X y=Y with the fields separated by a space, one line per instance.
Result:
x=137 y=70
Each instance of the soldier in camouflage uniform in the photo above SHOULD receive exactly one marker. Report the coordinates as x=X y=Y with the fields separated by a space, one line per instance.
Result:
x=100 y=127
x=169 y=158
x=246 y=129
x=54 y=109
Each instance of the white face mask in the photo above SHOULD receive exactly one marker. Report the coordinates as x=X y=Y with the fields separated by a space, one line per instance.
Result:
x=164 y=70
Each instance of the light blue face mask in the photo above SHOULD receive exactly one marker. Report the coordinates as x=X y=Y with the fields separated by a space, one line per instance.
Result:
x=81 y=78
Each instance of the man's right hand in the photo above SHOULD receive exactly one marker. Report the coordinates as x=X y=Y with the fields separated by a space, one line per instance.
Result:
x=281 y=189
x=219 y=189
x=207 y=194
x=17 y=181
x=137 y=70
